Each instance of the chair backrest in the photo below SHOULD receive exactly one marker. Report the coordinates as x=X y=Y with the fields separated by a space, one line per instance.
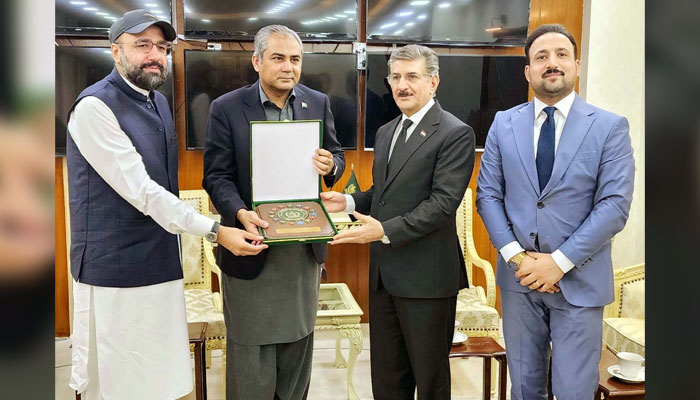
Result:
x=197 y=274
x=465 y=233
x=464 y=229
x=629 y=293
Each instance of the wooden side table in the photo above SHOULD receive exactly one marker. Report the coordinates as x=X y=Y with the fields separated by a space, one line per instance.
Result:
x=612 y=388
x=486 y=348
x=338 y=310
x=197 y=334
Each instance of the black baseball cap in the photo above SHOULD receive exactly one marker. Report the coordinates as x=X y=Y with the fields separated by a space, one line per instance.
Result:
x=137 y=21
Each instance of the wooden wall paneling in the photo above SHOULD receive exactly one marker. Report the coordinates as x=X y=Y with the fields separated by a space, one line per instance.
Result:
x=61 y=278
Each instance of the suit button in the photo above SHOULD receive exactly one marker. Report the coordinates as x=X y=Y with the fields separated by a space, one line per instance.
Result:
x=532 y=235
x=540 y=205
x=148 y=105
x=381 y=203
x=160 y=129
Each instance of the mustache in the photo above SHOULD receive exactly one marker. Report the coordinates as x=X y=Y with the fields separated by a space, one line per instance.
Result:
x=552 y=71
x=153 y=64
x=403 y=93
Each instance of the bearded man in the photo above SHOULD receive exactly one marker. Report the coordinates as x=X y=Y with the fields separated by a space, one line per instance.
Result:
x=129 y=327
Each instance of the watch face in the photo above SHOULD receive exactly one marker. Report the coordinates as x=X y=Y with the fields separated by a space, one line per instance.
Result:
x=513 y=266
x=210 y=236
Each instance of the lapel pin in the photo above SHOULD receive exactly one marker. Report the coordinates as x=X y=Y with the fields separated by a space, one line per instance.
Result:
x=303 y=104
x=422 y=133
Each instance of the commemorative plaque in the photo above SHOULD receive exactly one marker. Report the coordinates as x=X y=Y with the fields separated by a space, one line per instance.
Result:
x=285 y=184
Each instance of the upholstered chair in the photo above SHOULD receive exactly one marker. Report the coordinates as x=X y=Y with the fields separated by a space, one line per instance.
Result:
x=202 y=304
x=476 y=310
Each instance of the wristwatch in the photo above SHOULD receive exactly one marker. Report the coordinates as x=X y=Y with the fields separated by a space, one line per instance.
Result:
x=514 y=262
x=213 y=234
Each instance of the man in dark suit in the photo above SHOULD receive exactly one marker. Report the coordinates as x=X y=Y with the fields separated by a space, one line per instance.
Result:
x=555 y=185
x=422 y=165
x=270 y=299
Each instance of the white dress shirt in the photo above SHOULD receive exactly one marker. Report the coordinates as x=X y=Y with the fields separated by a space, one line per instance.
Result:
x=96 y=132
x=562 y=111
x=416 y=118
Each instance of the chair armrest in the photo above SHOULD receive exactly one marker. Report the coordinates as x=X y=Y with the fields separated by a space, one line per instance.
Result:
x=211 y=261
x=488 y=273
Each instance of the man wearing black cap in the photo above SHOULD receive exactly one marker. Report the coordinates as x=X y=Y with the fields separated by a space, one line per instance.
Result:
x=129 y=326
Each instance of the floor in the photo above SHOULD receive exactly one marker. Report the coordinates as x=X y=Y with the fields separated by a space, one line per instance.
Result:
x=327 y=382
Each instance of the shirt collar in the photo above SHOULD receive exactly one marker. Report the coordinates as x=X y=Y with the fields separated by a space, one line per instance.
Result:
x=264 y=98
x=136 y=88
x=417 y=117
x=563 y=105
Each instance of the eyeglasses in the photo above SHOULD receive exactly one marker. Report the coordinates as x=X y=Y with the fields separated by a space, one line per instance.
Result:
x=394 y=79
x=145 y=46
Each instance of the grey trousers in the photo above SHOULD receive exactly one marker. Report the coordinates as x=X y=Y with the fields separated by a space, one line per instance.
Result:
x=272 y=371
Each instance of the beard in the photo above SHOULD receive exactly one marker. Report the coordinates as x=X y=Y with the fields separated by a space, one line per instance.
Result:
x=145 y=80
x=548 y=89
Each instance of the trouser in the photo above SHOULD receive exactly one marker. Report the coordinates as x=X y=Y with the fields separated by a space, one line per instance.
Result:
x=272 y=371
x=410 y=344
x=534 y=321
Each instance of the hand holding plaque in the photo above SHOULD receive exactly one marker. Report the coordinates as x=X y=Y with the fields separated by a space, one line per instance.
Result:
x=286 y=183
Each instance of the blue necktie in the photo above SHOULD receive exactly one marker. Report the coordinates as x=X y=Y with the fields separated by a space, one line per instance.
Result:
x=545 y=149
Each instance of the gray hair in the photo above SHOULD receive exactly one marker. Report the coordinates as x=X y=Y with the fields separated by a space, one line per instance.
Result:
x=264 y=32
x=414 y=52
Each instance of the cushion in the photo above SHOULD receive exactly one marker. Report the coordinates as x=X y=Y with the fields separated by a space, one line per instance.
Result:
x=632 y=300
x=474 y=316
x=199 y=304
x=624 y=334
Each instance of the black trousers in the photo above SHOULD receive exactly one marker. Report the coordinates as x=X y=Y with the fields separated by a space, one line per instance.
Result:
x=410 y=341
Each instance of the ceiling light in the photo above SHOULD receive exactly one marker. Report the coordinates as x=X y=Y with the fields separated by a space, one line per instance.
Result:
x=410 y=24
x=89 y=9
x=405 y=13
x=422 y=16
x=419 y=3
x=445 y=5
x=253 y=19
x=206 y=20
x=79 y=3
x=389 y=25
x=400 y=31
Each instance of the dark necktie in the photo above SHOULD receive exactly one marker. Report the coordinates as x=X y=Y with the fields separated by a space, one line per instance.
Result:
x=545 y=149
x=398 y=146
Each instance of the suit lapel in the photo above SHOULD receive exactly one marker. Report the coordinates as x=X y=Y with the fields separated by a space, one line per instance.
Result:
x=578 y=122
x=382 y=145
x=426 y=127
x=523 y=132
x=253 y=109
x=300 y=112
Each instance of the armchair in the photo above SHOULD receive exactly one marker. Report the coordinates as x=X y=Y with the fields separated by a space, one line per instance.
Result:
x=476 y=310
x=201 y=303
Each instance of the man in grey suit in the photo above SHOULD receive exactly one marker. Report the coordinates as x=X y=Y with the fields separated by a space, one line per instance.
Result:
x=555 y=185
x=423 y=161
